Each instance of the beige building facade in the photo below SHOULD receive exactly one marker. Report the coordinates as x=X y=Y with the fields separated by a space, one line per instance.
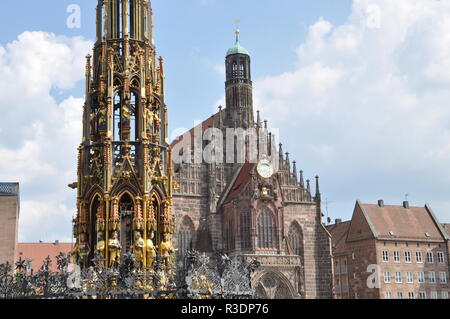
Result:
x=9 y=221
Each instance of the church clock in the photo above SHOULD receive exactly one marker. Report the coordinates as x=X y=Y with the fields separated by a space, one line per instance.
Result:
x=265 y=169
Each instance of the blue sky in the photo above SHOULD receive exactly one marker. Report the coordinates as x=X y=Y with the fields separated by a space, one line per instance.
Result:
x=358 y=88
x=193 y=36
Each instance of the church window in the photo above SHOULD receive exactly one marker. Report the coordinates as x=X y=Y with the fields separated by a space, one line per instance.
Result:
x=266 y=231
x=185 y=236
x=296 y=239
x=245 y=231
x=241 y=69
x=235 y=69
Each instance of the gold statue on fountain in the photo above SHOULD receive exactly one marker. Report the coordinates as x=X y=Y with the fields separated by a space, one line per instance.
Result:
x=138 y=248
x=114 y=250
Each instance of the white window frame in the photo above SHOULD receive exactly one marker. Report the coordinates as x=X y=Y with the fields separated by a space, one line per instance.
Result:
x=398 y=277
x=441 y=257
x=388 y=295
x=432 y=277
x=421 y=276
x=408 y=257
x=419 y=257
x=434 y=295
x=443 y=277
x=385 y=256
x=410 y=277
x=411 y=295
x=445 y=295
x=430 y=257
x=399 y=295
x=422 y=295
x=387 y=277
x=396 y=257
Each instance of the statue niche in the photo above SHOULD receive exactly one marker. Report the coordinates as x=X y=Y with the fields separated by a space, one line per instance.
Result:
x=126 y=210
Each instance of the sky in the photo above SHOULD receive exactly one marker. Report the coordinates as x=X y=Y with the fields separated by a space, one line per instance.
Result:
x=359 y=90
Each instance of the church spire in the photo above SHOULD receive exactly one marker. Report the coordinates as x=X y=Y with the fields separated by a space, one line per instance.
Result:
x=238 y=86
x=302 y=180
x=294 y=171
x=318 y=195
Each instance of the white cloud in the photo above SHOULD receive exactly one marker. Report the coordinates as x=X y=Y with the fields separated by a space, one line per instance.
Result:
x=46 y=221
x=39 y=136
x=367 y=106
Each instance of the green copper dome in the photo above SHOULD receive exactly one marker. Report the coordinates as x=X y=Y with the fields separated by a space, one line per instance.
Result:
x=237 y=49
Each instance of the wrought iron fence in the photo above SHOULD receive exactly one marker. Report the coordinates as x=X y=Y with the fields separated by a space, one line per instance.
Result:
x=198 y=276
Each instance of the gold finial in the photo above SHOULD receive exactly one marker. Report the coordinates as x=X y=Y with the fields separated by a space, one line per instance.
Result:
x=237 y=32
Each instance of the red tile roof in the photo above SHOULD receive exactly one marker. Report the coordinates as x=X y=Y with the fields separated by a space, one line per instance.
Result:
x=213 y=120
x=415 y=223
x=38 y=252
x=339 y=236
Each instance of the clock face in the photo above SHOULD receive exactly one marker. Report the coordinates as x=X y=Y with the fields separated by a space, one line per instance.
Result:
x=265 y=169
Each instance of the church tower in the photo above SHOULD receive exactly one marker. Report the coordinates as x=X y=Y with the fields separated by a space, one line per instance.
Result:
x=124 y=164
x=238 y=85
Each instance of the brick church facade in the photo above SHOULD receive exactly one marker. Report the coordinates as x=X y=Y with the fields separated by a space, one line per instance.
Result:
x=228 y=206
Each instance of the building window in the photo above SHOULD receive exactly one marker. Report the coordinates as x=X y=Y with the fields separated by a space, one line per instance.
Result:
x=399 y=295
x=430 y=257
x=267 y=235
x=422 y=295
x=411 y=295
x=434 y=295
x=296 y=239
x=441 y=258
x=410 y=277
x=398 y=277
x=387 y=277
x=396 y=256
x=419 y=259
x=245 y=231
x=443 y=277
x=408 y=258
x=445 y=295
x=388 y=295
x=432 y=277
x=385 y=256
x=421 y=277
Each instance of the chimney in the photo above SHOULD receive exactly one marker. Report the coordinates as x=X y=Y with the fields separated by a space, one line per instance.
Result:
x=406 y=204
x=56 y=243
x=338 y=221
x=381 y=203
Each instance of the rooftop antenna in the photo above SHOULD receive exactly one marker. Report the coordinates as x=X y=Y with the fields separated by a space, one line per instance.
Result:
x=237 y=31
